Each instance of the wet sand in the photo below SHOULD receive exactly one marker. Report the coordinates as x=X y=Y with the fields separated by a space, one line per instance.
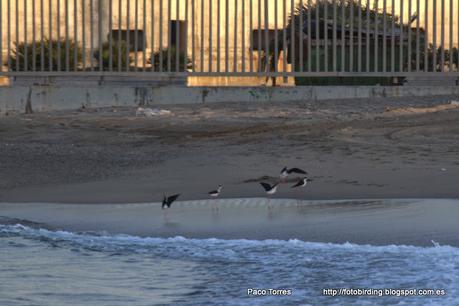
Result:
x=375 y=222
x=383 y=148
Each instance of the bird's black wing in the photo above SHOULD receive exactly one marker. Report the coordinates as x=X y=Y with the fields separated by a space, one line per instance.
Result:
x=266 y=186
x=300 y=183
x=171 y=199
x=213 y=191
x=297 y=170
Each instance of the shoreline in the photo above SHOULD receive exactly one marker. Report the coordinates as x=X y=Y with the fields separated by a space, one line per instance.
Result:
x=412 y=222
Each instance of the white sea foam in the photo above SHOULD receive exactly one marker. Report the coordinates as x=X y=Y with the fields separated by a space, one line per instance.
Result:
x=221 y=269
x=102 y=237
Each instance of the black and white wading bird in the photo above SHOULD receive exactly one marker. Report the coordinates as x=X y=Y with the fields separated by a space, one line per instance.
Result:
x=167 y=201
x=215 y=194
x=270 y=190
x=302 y=182
x=286 y=172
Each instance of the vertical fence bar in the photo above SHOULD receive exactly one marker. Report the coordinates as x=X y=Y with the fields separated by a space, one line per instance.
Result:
x=136 y=34
x=120 y=26
x=75 y=35
x=50 y=33
x=393 y=38
x=177 y=36
x=161 y=12
x=343 y=36
x=451 y=34
x=83 y=34
x=8 y=35
x=25 y=36
x=266 y=31
x=418 y=12
x=409 y=35
x=235 y=34
x=67 y=47
x=326 y=36
x=275 y=36
x=317 y=40
x=91 y=34
x=227 y=35
x=402 y=36
x=434 y=29
x=266 y=25
x=426 y=38
x=301 y=34
x=110 y=35
x=376 y=64
x=1 y=37
x=243 y=36
x=17 y=31
x=211 y=25
x=100 y=33
x=42 y=33
x=128 y=34
x=34 y=51
x=193 y=45
x=202 y=36
x=384 y=36
x=359 y=38
x=334 y=36
x=185 y=58
x=152 y=34
x=58 y=22
x=351 y=36
x=309 y=36
x=144 y=36
x=258 y=35
x=442 y=35
x=169 y=33
x=292 y=40
x=218 y=32
x=392 y=44
x=284 y=37
x=251 y=36
x=368 y=42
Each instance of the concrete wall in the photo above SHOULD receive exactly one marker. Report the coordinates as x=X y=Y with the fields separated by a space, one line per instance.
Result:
x=47 y=94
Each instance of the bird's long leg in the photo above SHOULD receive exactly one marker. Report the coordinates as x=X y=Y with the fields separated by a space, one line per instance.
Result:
x=298 y=200
x=217 y=209
x=165 y=215
x=211 y=204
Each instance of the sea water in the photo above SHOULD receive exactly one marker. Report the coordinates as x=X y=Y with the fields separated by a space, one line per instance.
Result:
x=43 y=267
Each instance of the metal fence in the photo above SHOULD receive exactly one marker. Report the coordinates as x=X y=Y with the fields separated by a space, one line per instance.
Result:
x=230 y=38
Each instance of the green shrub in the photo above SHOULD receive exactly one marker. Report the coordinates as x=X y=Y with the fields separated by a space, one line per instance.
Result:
x=34 y=53
x=116 y=47
x=156 y=61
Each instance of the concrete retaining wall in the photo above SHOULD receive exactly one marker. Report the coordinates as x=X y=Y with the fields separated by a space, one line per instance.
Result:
x=39 y=96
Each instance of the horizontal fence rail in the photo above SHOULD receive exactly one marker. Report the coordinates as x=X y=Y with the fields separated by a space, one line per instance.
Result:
x=230 y=38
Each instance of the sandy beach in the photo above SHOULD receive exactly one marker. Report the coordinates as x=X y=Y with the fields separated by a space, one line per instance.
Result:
x=387 y=148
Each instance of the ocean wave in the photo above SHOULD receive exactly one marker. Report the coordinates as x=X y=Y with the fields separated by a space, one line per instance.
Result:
x=224 y=269
x=120 y=240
